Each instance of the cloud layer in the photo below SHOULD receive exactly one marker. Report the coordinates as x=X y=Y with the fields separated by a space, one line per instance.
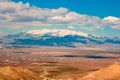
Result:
x=15 y=15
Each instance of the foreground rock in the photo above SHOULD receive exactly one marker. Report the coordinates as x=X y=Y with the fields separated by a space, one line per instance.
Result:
x=110 y=73
x=16 y=73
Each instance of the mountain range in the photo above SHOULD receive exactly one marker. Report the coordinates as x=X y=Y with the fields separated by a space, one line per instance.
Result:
x=45 y=37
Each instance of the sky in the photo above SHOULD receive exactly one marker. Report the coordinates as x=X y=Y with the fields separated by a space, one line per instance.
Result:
x=98 y=17
x=101 y=8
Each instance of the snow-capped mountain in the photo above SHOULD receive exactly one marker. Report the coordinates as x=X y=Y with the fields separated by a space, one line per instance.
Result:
x=55 y=32
x=55 y=37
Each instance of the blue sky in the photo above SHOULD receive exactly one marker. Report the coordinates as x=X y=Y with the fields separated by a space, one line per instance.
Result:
x=101 y=8
x=99 y=17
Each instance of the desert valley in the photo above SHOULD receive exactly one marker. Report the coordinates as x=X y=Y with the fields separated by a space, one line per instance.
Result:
x=60 y=63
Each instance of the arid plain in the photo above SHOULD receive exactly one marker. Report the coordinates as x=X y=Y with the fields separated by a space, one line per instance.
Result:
x=55 y=63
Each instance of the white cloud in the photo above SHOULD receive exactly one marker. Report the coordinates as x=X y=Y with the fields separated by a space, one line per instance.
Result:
x=15 y=15
x=113 y=22
x=4 y=0
x=110 y=19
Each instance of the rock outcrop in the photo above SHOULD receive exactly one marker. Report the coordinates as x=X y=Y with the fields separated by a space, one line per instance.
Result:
x=16 y=73
x=111 y=72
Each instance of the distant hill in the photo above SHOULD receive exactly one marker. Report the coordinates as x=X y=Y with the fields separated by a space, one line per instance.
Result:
x=111 y=72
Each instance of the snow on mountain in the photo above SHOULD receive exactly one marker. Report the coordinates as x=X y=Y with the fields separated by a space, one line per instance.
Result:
x=55 y=32
x=55 y=37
